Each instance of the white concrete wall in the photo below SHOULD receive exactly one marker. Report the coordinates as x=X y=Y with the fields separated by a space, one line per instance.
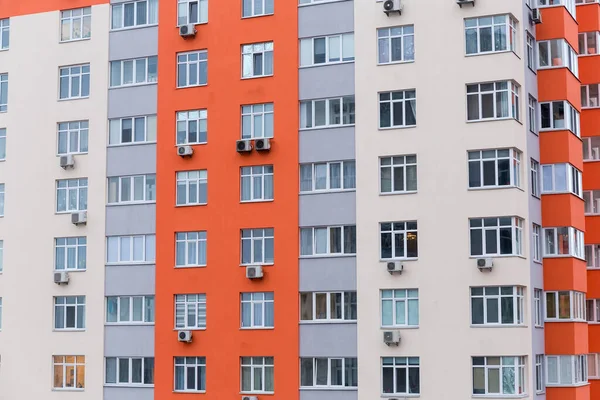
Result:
x=27 y=339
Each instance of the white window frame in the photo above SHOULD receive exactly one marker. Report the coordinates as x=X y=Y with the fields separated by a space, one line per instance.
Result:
x=74 y=73
x=249 y=51
x=592 y=256
x=481 y=158
x=4 y=33
x=185 y=365
x=343 y=107
x=2 y=199
x=536 y=244
x=519 y=375
x=532 y=108
x=191 y=240
x=492 y=23
x=405 y=229
x=592 y=311
x=591 y=152
x=120 y=24
x=266 y=8
x=74 y=134
x=346 y=179
x=0 y=313
x=577 y=306
x=198 y=179
x=400 y=299
x=535 y=170
x=184 y=121
x=344 y=48
x=75 y=21
x=3 y=89
x=184 y=11
x=551 y=173
x=124 y=310
x=77 y=246
x=514 y=223
x=253 y=365
x=187 y=305
x=406 y=98
x=551 y=240
x=570 y=122
x=348 y=365
x=591 y=200
x=590 y=100
x=568 y=4
x=567 y=57
x=347 y=306
x=115 y=193
x=538 y=308
x=141 y=361
x=530 y=46
x=250 y=177
x=483 y=293
x=117 y=71
x=405 y=35
x=117 y=130
x=249 y=239
x=510 y=93
x=1 y=257
x=540 y=381
x=400 y=363
x=78 y=306
x=80 y=187
x=258 y=305
x=257 y=120
x=2 y=144
x=401 y=164
x=584 y=38
x=148 y=243
x=593 y=366
x=201 y=68
x=69 y=369
x=312 y=232
x=577 y=370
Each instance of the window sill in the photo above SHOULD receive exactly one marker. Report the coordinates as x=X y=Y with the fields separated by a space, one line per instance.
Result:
x=395 y=63
x=190 y=205
x=383 y=328
x=82 y=153
x=257 y=264
x=592 y=160
x=328 y=322
x=588 y=55
x=188 y=329
x=5 y=49
x=568 y=320
x=399 y=396
x=593 y=268
x=313 y=192
x=553 y=385
x=129 y=144
x=261 y=393
x=133 y=203
x=475 y=189
x=132 y=85
x=488 y=53
x=188 y=266
x=488 y=326
x=68 y=389
x=131 y=28
x=563 y=256
x=192 y=86
x=385 y=260
x=389 y=128
x=68 y=212
x=129 y=324
x=69 y=270
x=591 y=214
x=329 y=388
x=189 y=391
x=500 y=396
x=474 y=121
x=498 y=256
x=590 y=108
x=68 y=330
x=317 y=256
x=326 y=64
x=189 y=144
x=256 y=77
x=75 y=40
x=130 y=385
x=316 y=3
x=192 y=23
x=257 y=16
x=316 y=128
x=128 y=263
x=559 y=129
x=256 y=201
x=398 y=193
x=74 y=98
x=257 y=328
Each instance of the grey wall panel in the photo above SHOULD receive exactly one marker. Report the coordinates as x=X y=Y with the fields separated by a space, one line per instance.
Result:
x=327 y=144
x=326 y=81
x=133 y=280
x=131 y=160
x=128 y=393
x=129 y=340
x=328 y=340
x=328 y=209
x=133 y=43
x=130 y=219
x=129 y=101
x=326 y=19
x=334 y=273
x=328 y=394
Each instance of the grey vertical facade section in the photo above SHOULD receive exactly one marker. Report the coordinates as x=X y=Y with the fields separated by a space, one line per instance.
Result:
x=323 y=208
x=131 y=340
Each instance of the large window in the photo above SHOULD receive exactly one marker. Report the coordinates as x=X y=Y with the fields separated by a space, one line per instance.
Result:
x=192 y=12
x=70 y=253
x=398 y=240
x=136 y=249
x=257 y=121
x=190 y=374
x=134 y=13
x=396 y=44
x=69 y=313
x=500 y=376
x=494 y=168
x=538 y=306
x=257 y=60
x=71 y=195
x=76 y=24
x=192 y=68
x=561 y=178
x=258 y=246
x=132 y=130
x=591 y=148
x=557 y=53
x=257 y=183
x=497 y=305
x=328 y=176
x=325 y=372
x=257 y=310
x=490 y=34
x=590 y=96
x=400 y=375
x=328 y=306
x=192 y=127
x=566 y=305
x=566 y=370
x=398 y=174
x=68 y=372
x=588 y=43
x=398 y=109
x=129 y=371
x=256 y=8
x=492 y=100
x=190 y=249
x=592 y=255
x=4 y=33
x=324 y=113
x=133 y=72
x=327 y=49
x=257 y=374
x=132 y=189
x=399 y=308
x=536 y=245
x=74 y=82
x=192 y=188
x=73 y=137
x=559 y=115
x=130 y=309
x=496 y=236
x=563 y=241
x=591 y=200
x=190 y=311
x=328 y=240
x=592 y=310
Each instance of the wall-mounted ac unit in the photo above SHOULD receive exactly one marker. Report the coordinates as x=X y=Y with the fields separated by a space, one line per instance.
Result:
x=254 y=272
x=61 y=278
x=67 y=161
x=79 y=218
x=391 y=338
x=187 y=30
x=485 y=264
x=184 y=336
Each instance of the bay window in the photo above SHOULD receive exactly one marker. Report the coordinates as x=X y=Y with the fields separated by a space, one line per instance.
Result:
x=500 y=376
x=589 y=96
x=565 y=306
x=561 y=178
x=496 y=236
x=563 y=242
x=566 y=370
x=591 y=148
x=494 y=168
x=588 y=43
x=559 y=115
x=492 y=100
x=592 y=255
x=557 y=53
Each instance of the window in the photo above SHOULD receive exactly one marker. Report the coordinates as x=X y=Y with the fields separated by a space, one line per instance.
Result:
x=192 y=12
x=499 y=376
x=496 y=236
x=257 y=183
x=4 y=33
x=130 y=310
x=535 y=178
x=396 y=44
x=190 y=311
x=328 y=176
x=563 y=241
x=588 y=43
x=132 y=189
x=74 y=82
x=3 y=92
x=70 y=253
x=134 y=13
x=593 y=366
x=591 y=200
x=399 y=308
x=325 y=372
x=256 y=8
x=69 y=312
x=192 y=68
x=257 y=246
x=592 y=255
x=191 y=127
x=328 y=306
x=325 y=113
x=398 y=174
x=257 y=374
x=328 y=240
x=190 y=249
x=566 y=370
x=537 y=242
x=559 y=115
x=190 y=374
x=557 y=53
x=497 y=305
x=492 y=100
x=76 y=24
x=561 y=178
x=192 y=187
x=569 y=4
x=2 y=144
x=132 y=130
x=257 y=60
x=71 y=195
x=398 y=109
x=494 y=168
x=0 y=313
x=257 y=120
x=133 y=72
x=490 y=34
x=539 y=373
x=538 y=314
x=137 y=249
x=2 y=194
x=327 y=50
x=530 y=52
x=591 y=148
x=73 y=137
x=592 y=310
x=69 y=372
x=532 y=111
x=590 y=96
x=129 y=370
x=400 y=375
x=567 y=305
x=398 y=240
x=257 y=310
x=1 y=256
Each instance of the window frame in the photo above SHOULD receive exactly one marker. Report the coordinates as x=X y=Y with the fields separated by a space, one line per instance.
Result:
x=530 y=46
x=348 y=364
x=536 y=244
x=518 y=305
x=79 y=247
x=571 y=118
x=81 y=197
x=399 y=363
x=540 y=381
x=265 y=3
x=150 y=75
x=347 y=306
x=587 y=96
x=404 y=162
x=329 y=229
x=4 y=33
x=250 y=114
x=197 y=306
x=512 y=92
x=78 y=304
x=385 y=39
x=267 y=363
x=189 y=116
x=199 y=368
x=148 y=190
x=201 y=14
x=583 y=39
x=201 y=65
x=510 y=30
x=397 y=301
x=67 y=128
x=201 y=244
x=248 y=298
x=520 y=382
x=592 y=317
x=266 y=237
x=589 y=151
x=483 y=157
x=516 y=226
x=66 y=366
x=66 y=72
x=578 y=370
x=405 y=230
x=83 y=18
x=408 y=101
x=591 y=200
x=130 y=370
x=577 y=306
x=532 y=108
x=248 y=59
x=148 y=242
x=135 y=25
x=306 y=44
x=150 y=129
x=248 y=177
x=568 y=55
x=575 y=246
x=538 y=308
x=186 y=181
x=594 y=251
x=148 y=318
x=4 y=88
x=593 y=360
x=344 y=176
x=347 y=112
x=573 y=176
x=535 y=172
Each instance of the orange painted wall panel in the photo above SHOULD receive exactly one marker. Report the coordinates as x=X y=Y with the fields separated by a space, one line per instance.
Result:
x=588 y=17
x=590 y=125
x=569 y=393
x=13 y=8
x=565 y=273
x=589 y=69
x=557 y=23
x=594 y=329
x=566 y=337
x=559 y=84
x=563 y=210
x=561 y=147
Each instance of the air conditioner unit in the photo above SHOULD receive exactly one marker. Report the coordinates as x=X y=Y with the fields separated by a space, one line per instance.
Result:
x=262 y=144
x=254 y=272
x=67 y=161
x=463 y=2
x=243 y=146
x=391 y=338
x=395 y=267
x=61 y=278
x=187 y=30
x=536 y=16
x=79 y=218
x=390 y=6
x=485 y=264
x=249 y=398
x=184 y=336
x=185 y=151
